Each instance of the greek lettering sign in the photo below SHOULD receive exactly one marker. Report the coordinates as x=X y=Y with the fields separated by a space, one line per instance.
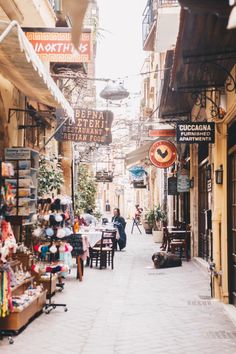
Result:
x=54 y=45
x=183 y=182
x=89 y=126
x=190 y=133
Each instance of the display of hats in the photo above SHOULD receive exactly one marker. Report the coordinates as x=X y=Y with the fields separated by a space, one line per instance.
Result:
x=34 y=217
x=64 y=200
x=46 y=217
x=58 y=217
x=53 y=249
x=68 y=231
x=49 y=232
x=38 y=232
x=61 y=233
x=36 y=248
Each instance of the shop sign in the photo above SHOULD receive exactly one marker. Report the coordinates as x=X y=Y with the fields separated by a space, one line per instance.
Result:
x=195 y=133
x=104 y=176
x=183 y=181
x=162 y=153
x=89 y=126
x=139 y=184
x=162 y=132
x=55 y=45
x=172 y=186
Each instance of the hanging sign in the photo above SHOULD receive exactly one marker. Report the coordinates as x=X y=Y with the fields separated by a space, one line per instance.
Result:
x=89 y=126
x=195 y=133
x=172 y=186
x=183 y=181
x=162 y=132
x=55 y=45
x=162 y=153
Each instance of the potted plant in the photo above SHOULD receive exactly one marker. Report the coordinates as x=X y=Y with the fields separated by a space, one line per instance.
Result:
x=159 y=216
x=149 y=221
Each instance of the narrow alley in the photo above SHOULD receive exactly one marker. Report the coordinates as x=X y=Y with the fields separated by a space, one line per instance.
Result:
x=132 y=309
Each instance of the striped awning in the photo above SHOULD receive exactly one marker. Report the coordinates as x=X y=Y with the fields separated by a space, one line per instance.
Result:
x=21 y=65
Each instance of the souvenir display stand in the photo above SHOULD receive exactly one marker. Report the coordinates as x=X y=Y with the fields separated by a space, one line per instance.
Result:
x=27 y=301
x=51 y=305
x=23 y=185
x=21 y=299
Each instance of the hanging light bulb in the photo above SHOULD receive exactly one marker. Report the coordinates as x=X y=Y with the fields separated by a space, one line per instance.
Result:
x=113 y=92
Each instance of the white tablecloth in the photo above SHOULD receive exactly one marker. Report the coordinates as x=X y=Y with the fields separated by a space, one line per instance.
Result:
x=93 y=237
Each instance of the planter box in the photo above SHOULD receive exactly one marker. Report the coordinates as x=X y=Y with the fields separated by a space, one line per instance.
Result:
x=157 y=236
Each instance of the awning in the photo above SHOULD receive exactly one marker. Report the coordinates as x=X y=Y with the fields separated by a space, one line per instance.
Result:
x=137 y=155
x=173 y=104
x=205 y=49
x=20 y=64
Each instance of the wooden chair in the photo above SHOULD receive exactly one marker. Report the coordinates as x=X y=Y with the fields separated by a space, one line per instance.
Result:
x=179 y=243
x=102 y=254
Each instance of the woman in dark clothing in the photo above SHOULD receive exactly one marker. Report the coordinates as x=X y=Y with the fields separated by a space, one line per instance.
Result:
x=119 y=223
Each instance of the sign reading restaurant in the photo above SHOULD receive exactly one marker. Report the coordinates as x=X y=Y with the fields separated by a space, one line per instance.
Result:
x=200 y=132
x=89 y=126
x=55 y=45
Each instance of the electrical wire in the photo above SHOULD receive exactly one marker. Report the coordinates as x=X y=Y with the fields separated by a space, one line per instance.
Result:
x=75 y=76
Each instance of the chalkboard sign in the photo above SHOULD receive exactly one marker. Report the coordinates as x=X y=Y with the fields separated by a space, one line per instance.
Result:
x=76 y=242
x=172 y=186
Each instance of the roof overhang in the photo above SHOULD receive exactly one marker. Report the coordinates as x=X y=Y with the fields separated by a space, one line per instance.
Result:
x=20 y=64
x=138 y=155
x=205 y=50
x=173 y=104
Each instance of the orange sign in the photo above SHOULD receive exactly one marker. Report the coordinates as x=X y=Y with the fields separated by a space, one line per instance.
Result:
x=162 y=132
x=54 y=45
x=162 y=153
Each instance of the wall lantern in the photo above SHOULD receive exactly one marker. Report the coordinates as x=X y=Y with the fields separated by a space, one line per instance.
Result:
x=219 y=175
x=208 y=172
x=191 y=182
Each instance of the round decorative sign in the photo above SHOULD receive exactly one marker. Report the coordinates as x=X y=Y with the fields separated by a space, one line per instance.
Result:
x=162 y=153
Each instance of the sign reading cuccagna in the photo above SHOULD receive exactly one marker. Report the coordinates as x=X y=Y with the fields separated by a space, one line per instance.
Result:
x=162 y=153
x=89 y=126
x=195 y=133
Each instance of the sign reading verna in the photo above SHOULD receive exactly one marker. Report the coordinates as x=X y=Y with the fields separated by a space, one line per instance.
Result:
x=90 y=126
x=190 y=133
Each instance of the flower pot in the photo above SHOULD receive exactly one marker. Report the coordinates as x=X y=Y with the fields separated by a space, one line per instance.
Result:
x=157 y=236
x=147 y=227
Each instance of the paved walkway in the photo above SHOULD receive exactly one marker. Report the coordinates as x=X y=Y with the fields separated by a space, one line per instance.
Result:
x=133 y=309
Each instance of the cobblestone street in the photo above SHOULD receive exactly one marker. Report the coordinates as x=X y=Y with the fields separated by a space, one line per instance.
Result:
x=132 y=309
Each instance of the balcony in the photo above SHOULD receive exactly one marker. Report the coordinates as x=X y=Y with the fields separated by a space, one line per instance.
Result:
x=148 y=26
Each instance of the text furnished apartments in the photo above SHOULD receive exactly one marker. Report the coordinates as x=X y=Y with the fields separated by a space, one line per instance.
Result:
x=90 y=126
x=190 y=133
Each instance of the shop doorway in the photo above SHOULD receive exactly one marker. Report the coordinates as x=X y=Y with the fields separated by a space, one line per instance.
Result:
x=232 y=214
x=205 y=234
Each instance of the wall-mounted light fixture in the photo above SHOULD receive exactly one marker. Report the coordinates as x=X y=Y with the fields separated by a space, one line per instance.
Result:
x=208 y=172
x=219 y=175
x=191 y=182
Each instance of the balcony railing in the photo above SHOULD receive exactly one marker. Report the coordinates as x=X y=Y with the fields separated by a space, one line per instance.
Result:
x=168 y=3
x=148 y=20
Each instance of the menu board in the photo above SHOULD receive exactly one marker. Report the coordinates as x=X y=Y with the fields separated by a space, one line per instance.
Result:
x=76 y=242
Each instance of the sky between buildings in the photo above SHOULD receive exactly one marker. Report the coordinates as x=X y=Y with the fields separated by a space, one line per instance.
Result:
x=119 y=52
